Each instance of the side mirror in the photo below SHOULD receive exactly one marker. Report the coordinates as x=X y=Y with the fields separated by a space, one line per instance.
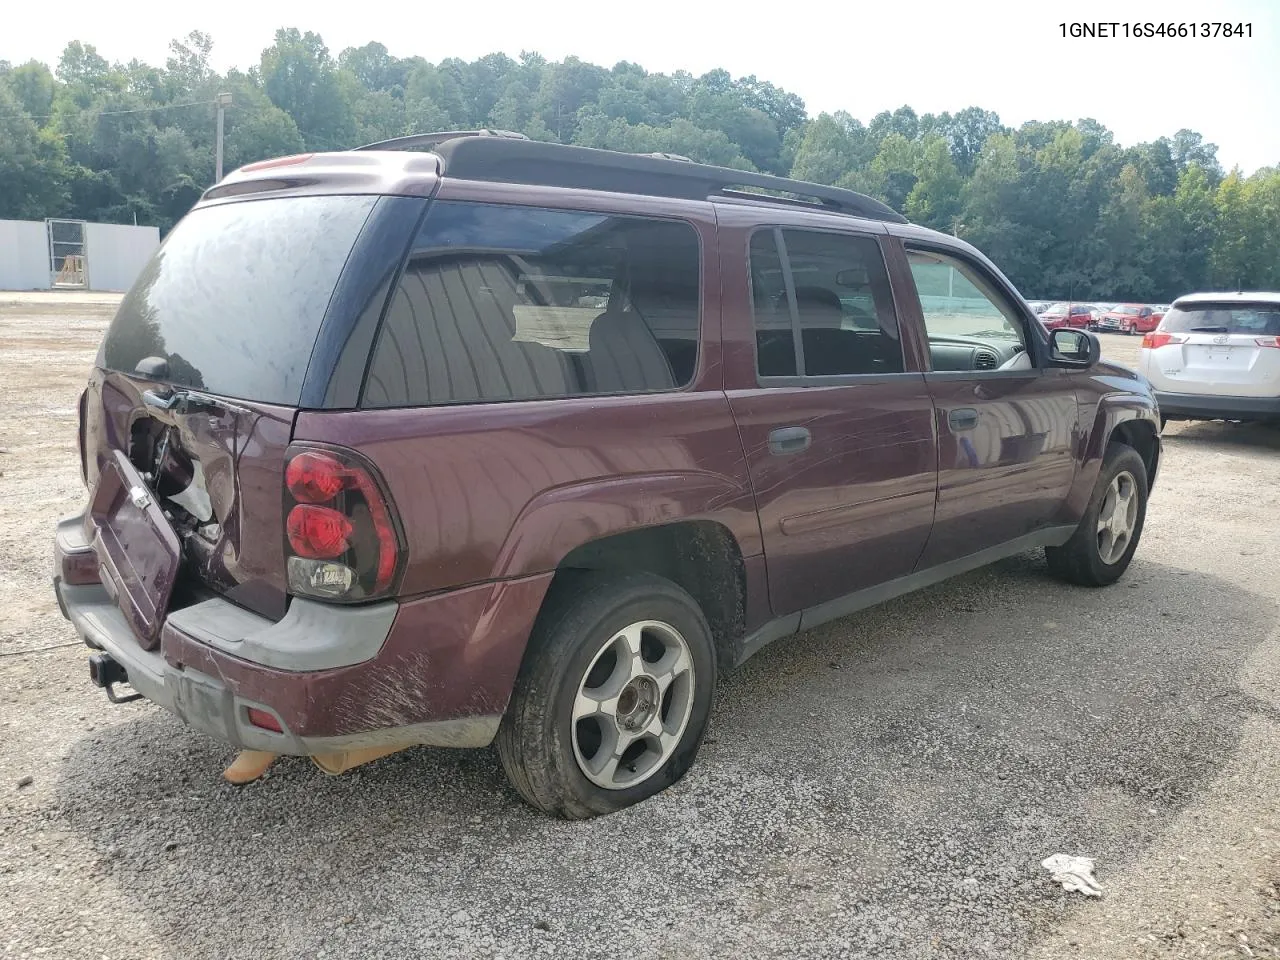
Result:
x=1073 y=348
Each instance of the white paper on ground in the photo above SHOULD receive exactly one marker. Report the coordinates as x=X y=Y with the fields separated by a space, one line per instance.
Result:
x=1074 y=873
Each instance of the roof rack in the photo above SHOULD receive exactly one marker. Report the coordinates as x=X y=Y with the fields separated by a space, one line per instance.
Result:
x=499 y=155
x=431 y=139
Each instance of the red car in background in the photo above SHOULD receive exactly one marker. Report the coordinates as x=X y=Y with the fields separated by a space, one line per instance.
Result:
x=1131 y=318
x=1067 y=315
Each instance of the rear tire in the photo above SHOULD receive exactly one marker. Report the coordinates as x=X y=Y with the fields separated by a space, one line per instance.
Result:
x=613 y=696
x=1102 y=547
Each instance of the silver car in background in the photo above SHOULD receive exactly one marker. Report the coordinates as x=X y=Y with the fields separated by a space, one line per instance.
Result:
x=1216 y=356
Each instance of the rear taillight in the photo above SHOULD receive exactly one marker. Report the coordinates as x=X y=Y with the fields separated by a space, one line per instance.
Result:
x=1158 y=338
x=1268 y=342
x=318 y=533
x=315 y=477
x=341 y=536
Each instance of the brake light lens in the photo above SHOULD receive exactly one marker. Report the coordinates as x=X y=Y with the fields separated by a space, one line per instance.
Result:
x=341 y=532
x=279 y=162
x=1268 y=342
x=1158 y=338
x=315 y=477
x=318 y=533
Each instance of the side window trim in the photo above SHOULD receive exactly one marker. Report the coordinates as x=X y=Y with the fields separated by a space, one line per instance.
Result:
x=800 y=378
x=793 y=307
x=1031 y=341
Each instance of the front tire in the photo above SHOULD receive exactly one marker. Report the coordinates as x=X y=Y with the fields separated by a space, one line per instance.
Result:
x=613 y=697
x=1102 y=547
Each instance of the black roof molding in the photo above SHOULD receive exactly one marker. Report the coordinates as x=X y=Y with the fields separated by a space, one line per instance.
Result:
x=506 y=157
x=431 y=139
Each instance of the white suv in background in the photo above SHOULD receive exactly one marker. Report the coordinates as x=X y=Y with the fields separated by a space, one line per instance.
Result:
x=1216 y=356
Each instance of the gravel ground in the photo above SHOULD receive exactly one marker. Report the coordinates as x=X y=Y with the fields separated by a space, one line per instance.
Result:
x=885 y=786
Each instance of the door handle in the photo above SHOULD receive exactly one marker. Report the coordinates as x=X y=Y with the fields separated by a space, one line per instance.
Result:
x=787 y=440
x=962 y=418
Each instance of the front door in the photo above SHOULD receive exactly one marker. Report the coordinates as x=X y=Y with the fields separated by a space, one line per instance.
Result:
x=1006 y=424
x=835 y=418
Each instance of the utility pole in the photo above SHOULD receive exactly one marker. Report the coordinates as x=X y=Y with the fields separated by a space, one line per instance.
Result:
x=224 y=101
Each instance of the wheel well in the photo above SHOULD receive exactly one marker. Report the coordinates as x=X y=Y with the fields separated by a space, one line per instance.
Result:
x=701 y=556
x=1142 y=437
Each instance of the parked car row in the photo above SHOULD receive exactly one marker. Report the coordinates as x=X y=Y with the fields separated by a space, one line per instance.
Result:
x=1208 y=356
x=1126 y=318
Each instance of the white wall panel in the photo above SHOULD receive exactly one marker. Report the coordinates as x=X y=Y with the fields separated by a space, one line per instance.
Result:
x=24 y=255
x=117 y=253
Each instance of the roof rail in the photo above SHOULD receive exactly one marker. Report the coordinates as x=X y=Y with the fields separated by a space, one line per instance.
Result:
x=431 y=139
x=503 y=156
x=559 y=165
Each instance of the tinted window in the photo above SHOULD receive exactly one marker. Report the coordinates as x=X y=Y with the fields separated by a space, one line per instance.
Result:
x=775 y=338
x=234 y=298
x=958 y=302
x=838 y=300
x=509 y=303
x=1260 y=319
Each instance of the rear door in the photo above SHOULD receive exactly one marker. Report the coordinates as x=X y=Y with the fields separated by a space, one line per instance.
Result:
x=1006 y=427
x=834 y=415
x=1220 y=349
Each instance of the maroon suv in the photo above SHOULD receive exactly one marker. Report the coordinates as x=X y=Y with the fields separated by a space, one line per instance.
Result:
x=467 y=438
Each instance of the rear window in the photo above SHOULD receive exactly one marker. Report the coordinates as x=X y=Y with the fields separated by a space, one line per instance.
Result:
x=503 y=302
x=1261 y=319
x=234 y=297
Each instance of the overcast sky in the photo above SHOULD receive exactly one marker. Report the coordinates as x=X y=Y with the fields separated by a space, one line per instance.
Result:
x=863 y=57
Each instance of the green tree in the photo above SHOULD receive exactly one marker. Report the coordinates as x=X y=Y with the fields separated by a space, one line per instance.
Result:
x=32 y=86
x=1247 y=252
x=33 y=165
x=300 y=78
x=833 y=145
x=892 y=174
x=1189 y=147
x=935 y=198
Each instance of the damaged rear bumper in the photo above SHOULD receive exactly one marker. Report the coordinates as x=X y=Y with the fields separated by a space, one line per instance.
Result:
x=334 y=678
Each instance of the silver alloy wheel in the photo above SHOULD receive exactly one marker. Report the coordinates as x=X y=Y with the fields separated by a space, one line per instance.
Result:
x=1118 y=517
x=633 y=704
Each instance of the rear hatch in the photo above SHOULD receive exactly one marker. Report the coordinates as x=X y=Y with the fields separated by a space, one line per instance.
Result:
x=189 y=412
x=1219 y=349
